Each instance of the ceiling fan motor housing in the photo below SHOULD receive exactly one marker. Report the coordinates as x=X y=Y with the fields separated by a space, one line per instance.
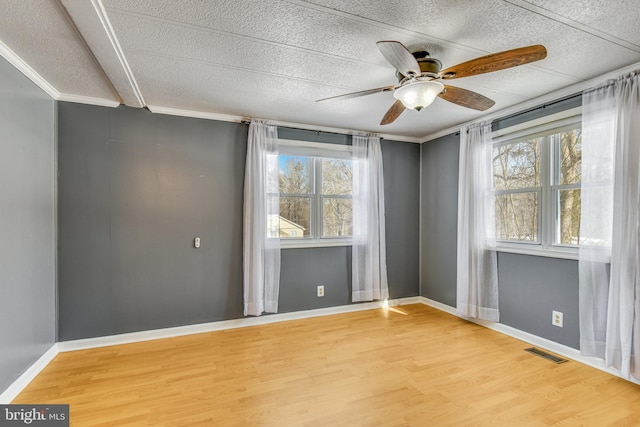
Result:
x=429 y=67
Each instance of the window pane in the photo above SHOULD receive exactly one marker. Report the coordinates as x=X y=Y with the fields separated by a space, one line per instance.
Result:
x=517 y=217
x=337 y=177
x=570 y=156
x=295 y=174
x=336 y=217
x=569 y=216
x=517 y=165
x=295 y=217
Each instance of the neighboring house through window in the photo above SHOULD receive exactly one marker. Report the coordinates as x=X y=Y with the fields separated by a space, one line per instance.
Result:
x=315 y=183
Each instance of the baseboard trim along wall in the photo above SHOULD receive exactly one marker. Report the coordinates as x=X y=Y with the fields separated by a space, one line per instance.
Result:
x=244 y=322
x=552 y=346
x=83 y=344
x=32 y=371
x=14 y=389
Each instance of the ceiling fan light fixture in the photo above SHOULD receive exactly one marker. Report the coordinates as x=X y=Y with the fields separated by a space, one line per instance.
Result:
x=419 y=94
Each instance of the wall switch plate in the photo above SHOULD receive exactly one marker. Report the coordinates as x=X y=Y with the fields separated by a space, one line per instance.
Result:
x=557 y=319
x=321 y=290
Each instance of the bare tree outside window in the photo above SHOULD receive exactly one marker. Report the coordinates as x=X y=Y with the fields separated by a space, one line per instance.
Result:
x=301 y=201
x=296 y=188
x=570 y=176
x=537 y=180
x=337 y=211
x=516 y=177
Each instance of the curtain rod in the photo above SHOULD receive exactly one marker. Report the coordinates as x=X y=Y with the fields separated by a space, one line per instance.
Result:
x=317 y=132
x=539 y=107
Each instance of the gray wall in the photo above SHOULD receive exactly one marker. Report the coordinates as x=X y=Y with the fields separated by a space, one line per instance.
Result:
x=401 y=164
x=135 y=189
x=439 y=219
x=27 y=223
x=530 y=287
x=304 y=269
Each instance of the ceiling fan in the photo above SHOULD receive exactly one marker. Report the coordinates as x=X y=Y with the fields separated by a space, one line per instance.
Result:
x=419 y=77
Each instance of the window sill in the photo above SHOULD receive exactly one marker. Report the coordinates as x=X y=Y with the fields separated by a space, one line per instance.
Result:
x=329 y=243
x=569 y=253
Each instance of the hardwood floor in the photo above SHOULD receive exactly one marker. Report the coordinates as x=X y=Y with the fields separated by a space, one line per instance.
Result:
x=410 y=365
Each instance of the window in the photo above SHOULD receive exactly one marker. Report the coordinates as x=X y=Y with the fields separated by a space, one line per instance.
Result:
x=536 y=180
x=315 y=184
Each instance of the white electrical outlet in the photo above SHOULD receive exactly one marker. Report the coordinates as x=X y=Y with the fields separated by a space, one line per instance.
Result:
x=557 y=319
x=321 y=290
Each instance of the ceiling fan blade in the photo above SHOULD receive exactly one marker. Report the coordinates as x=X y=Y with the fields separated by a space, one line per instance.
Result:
x=495 y=62
x=400 y=57
x=466 y=98
x=393 y=113
x=357 y=94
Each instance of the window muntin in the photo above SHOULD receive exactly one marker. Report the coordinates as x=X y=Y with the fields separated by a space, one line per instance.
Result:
x=537 y=176
x=315 y=184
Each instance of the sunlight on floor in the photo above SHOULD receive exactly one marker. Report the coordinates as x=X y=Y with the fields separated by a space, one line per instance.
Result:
x=385 y=305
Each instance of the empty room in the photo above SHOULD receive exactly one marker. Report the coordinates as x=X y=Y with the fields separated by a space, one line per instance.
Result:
x=319 y=213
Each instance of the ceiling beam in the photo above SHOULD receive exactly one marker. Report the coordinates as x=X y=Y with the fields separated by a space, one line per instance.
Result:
x=91 y=20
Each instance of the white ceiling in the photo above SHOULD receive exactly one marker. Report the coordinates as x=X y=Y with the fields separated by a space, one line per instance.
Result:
x=272 y=59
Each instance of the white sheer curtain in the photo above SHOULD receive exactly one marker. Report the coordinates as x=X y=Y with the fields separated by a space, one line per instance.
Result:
x=613 y=116
x=369 y=256
x=261 y=260
x=477 y=276
x=596 y=218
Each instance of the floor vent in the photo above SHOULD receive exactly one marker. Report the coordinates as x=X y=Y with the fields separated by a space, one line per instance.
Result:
x=544 y=354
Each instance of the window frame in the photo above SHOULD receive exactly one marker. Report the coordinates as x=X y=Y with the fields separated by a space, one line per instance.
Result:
x=317 y=151
x=549 y=208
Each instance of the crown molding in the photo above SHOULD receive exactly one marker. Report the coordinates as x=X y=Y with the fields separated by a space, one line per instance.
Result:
x=39 y=81
x=27 y=71
x=195 y=114
x=239 y=119
x=87 y=100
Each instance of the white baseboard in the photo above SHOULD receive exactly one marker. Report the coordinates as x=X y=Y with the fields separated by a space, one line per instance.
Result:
x=83 y=344
x=14 y=389
x=552 y=346
x=18 y=385
x=23 y=380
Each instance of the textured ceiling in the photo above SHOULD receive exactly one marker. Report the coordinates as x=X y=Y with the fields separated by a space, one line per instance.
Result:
x=273 y=59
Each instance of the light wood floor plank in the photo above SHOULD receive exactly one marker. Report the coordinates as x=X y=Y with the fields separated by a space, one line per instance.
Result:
x=405 y=366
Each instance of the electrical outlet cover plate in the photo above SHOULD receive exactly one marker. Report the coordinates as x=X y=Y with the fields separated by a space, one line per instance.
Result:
x=321 y=290
x=557 y=319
